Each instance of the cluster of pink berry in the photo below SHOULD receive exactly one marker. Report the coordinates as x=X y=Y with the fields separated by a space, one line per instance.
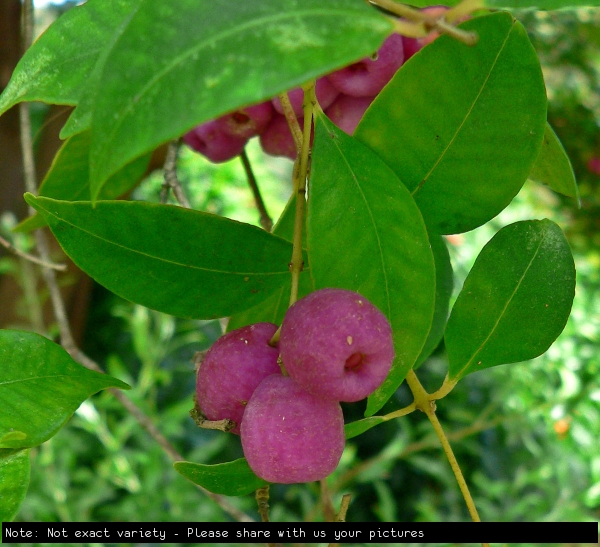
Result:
x=344 y=95
x=334 y=344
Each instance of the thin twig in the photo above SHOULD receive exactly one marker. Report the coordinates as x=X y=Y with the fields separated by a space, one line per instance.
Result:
x=291 y=119
x=265 y=219
x=328 y=510
x=58 y=306
x=170 y=177
x=31 y=258
x=262 y=500
x=341 y=516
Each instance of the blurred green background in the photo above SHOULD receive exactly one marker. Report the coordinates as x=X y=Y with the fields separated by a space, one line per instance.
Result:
x=527 y=435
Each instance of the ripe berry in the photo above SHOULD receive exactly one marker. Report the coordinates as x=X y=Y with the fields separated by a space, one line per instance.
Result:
x=211 y=141
x=247 y=122
x=346 y=111
x=289 y=435
x=336 y=344
x=325 y=92
x=277 y=139
x=367 y=77
x=232 y=369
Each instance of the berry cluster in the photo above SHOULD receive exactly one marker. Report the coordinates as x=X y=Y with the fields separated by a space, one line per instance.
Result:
x=344 y=95
x=335 y=346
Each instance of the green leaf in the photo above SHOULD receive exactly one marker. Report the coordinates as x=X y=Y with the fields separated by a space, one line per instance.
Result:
x=228 y=479
x=354 y=429
x=444 y=284
x=68 y=178
x=57 y=67
x=366 y=234
x=462 y=126
x=553 y=167
x=175 y=260
x=515 y=301
x=517 y=4
x=183 y=62
x=40 y=387
x=14 y=481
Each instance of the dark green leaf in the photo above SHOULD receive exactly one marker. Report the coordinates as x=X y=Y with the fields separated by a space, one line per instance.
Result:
x=174 y=260
x=181 y=63
x=365 y=233
x=444 y=284
x=57 y=67
x=462 y=126
x=354 y=429
x=14 y=480
x=228 y=479
x=40 y=387
x=553 y=167
x=515 y=301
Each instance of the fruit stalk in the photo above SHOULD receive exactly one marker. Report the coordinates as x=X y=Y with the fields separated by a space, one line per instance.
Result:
x=265 y=219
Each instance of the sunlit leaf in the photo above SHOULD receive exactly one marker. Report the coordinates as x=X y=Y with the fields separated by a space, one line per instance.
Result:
x=14 y=481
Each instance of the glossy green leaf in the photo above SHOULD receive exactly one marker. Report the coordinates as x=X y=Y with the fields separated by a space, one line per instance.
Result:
x=517 y=4
x=553 y=167
x=365 y=233
x=515 y=301
x=228 y=479
x=354 y=429
x=462 y=126
x=57 y=67
x=40 y=388
x=175 y=260
x=183 y=62
x=68 y=178
x=14 y=481
x=444 y=284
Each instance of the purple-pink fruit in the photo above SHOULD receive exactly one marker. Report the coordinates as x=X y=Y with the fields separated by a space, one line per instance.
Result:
x=411 y=46
x=277 y=139
x=336 y=345
x=211 y=141
x=232 y=369
x=325 y=92
x=289 y=435
x=247 y=122
x=346 y=111
x=367 y=77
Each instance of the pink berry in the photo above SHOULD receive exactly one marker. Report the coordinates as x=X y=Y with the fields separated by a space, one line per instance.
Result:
x=594 y=165
x=346 y=111
x=210 y=140
x=336 y=345
x=232 y=369
x=325 y=92
x=247 y=122
x=367 y=77
x=277 y=139
x=289 y=435
x=411 y=46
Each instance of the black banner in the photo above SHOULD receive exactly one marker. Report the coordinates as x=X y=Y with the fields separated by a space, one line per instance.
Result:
x=310 y=532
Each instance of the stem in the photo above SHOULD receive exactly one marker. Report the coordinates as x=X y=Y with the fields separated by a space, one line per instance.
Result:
x=265 y=219
x=341 y=516
x=262 y=499
x=297 y=263
x=291 y=119
x=31 y=258
x=399 y=413
x=424 y=403
x=171 y=181
x=446 y=388
x=328 y=511
x=402 y=10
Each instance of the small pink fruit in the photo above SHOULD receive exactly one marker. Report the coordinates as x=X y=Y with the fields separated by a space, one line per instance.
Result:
x=232 y=369
x=210 y=140
x=336 y=345
x=346 y=111
x=594 y=165
x=367 y=77
x=325 y=92
x=277 y=139
x=289 y=435
x=247 y=122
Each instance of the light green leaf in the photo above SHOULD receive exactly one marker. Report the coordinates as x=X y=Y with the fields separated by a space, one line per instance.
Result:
x=365 y=233
x=515 y=301
x=175 y=260
x=183 y=62
x=444 y=284
x=354 y=429
x=56 y=68
x=14 y=481
x=553 y=167
x=40 y=388
x=462 y=126
x=228 y=479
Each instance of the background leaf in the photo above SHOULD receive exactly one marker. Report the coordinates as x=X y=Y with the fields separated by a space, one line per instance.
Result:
x=517 y=4
x=229 y=479
x=553 y=167
x=14 y=481
x=366 y=234
x=354 y=429
x=40 y=387
x=56 y=68
x=175 y=260
x=515 y=301
x=181 y=63
x=446 y=123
